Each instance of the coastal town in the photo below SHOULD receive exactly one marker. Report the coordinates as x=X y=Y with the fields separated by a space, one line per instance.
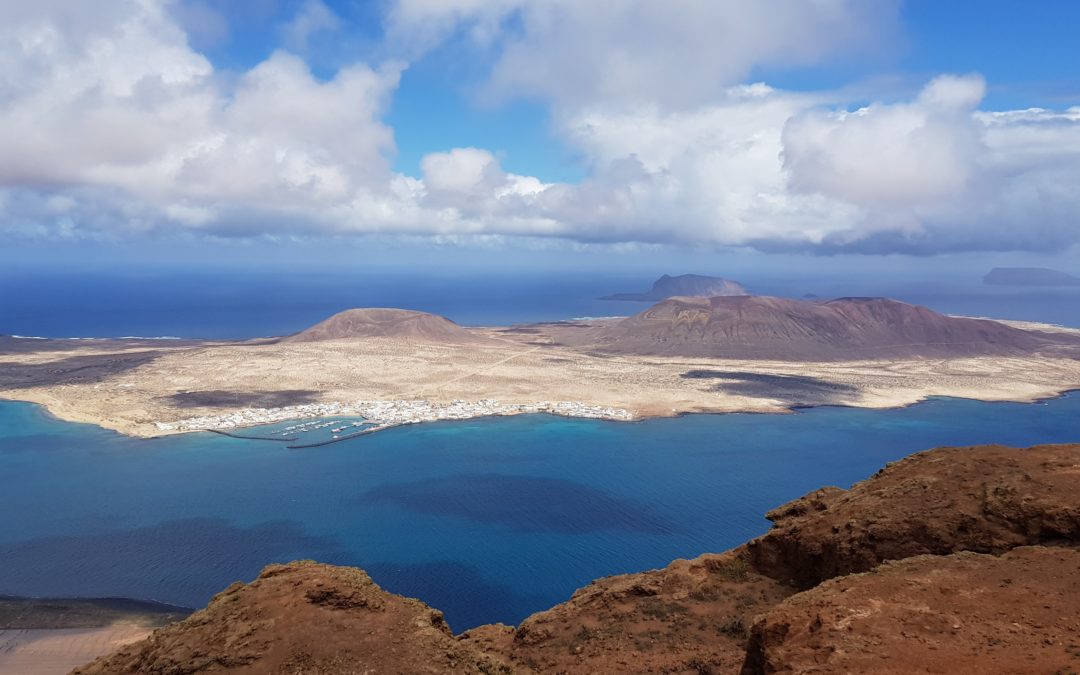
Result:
x=385 y=414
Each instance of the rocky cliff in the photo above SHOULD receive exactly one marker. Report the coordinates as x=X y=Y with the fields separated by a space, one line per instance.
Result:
x=952 y=560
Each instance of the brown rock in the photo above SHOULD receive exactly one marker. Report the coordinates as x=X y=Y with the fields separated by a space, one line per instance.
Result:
x=303 y=618
x=963 y=613
x=987 y=499
x=690 y=617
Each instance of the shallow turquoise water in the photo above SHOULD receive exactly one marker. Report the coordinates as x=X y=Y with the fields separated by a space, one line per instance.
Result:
x=489 y=519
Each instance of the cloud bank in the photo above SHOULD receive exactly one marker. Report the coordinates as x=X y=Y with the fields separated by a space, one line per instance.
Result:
x=112 y=123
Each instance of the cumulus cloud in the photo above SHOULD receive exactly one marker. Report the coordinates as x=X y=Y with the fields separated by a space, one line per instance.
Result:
x=899 y=155
x=109 y=105
x=110 y=122
x=639 y=51
x=314 y=17
x=777 y=170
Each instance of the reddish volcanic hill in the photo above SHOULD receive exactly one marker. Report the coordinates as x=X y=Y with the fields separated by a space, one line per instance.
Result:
x=952 y=560
x=395 y=323
x=302 y=618
x=752 y=327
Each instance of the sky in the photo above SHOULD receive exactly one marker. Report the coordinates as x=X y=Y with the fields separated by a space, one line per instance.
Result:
x=553 y=132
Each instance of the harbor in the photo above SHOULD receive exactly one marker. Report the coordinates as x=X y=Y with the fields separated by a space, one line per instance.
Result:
x=379 y=415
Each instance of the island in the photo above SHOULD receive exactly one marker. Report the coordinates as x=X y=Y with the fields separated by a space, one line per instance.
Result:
x=395 y=367
x=1029 y=276
x=691 y=285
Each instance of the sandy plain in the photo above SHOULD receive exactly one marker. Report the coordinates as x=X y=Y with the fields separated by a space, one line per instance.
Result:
x=54 y=651
x=130 y=386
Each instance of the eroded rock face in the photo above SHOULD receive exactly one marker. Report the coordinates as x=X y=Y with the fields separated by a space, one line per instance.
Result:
x=303 y=618
x=691 y=617
x=963 y=613
x=987 y=499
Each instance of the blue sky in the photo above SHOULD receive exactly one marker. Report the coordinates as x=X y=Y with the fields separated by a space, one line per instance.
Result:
x=1026 y=51
x=900 y=127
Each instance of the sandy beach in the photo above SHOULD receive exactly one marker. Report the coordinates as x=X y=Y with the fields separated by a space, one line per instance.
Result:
x=55 y=651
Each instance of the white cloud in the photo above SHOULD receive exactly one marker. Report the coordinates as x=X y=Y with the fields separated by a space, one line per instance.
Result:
x=111 y=100
x=111 y=123
x=779 y=171
x=899 y=155
x=313 y=17
x=640 y=51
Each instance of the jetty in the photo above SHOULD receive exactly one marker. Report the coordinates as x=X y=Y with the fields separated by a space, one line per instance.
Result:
x=336 y=439
x=251 y=438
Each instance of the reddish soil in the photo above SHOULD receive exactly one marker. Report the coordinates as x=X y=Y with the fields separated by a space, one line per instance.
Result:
x=987 y=499
x=303 y=618
x=963 y=613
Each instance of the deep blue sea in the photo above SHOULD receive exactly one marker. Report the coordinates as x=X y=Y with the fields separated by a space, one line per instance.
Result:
x=488 y=520
x=215 y=304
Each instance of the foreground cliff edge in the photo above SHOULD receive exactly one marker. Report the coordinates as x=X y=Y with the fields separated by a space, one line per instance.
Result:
x=952 y=560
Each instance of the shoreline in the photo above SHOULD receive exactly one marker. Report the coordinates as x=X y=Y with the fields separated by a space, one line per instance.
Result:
x=525 y=409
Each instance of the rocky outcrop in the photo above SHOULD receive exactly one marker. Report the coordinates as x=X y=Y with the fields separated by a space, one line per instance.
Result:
x=800 y=330
x=987 y=499
x=962 y=613
x=690 y=285
x=303 y=618
x=394 y=323
x=916 y=585
x=692 y=616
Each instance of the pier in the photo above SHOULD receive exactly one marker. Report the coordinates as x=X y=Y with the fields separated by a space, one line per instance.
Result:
x=251 y=438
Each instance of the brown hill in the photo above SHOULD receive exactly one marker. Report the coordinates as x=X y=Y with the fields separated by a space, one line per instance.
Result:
x=777 y=328
x=394 y=323
x=987 y=499
x=302 y=618
x=720 y=612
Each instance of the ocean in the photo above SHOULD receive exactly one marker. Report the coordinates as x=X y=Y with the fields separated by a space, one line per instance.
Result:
x=489 y=519
x=220 y=305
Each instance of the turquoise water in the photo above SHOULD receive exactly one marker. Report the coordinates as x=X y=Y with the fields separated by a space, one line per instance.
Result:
x=489 y=520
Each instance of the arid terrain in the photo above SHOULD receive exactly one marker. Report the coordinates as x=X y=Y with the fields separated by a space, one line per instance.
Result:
x=677 y=357
x=952 y=560
x=49 y=636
